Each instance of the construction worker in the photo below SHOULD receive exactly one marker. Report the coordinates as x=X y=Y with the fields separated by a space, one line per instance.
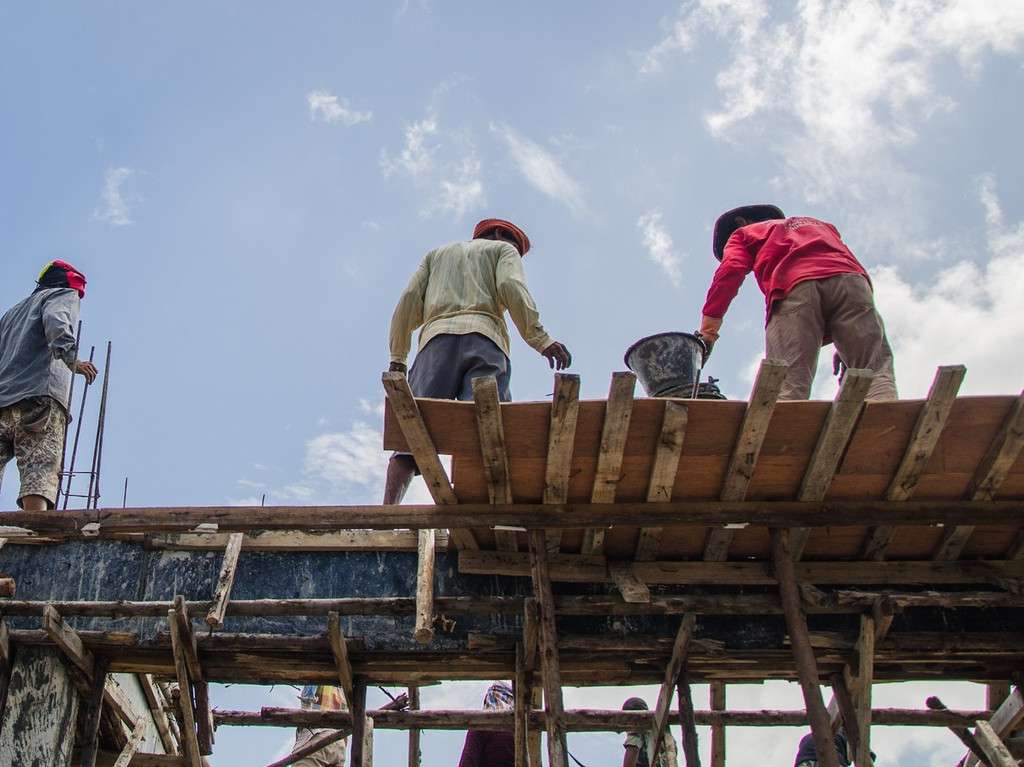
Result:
x=638 y=745
x=807 y=752
x=459 y=295
x=321 y=697
x=487 y=748
x=38 y=356
x=815 y=290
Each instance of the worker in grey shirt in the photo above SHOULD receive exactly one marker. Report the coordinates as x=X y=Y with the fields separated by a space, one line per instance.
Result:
x=38 y=356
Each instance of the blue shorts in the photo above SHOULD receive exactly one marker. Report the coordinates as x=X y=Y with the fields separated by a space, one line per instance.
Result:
x=446 y=366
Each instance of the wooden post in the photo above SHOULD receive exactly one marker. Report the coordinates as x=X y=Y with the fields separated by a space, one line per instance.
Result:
x=414 y=733
x=426 y=556
x=339 y=649
x=803 y=653
x=675 y=664
x=6 y=664
x=1006 y=718
x=548 y=646
x=357 y=706
x=847 y=710
x=686 y=721
x=993 y=746
x=93 y=711
x=228 y=567
x=521 y=688
x=367 y=742
x=717 y=693
x=188 y=729
x=533 y=739
x=965 y=735
x=865 y=679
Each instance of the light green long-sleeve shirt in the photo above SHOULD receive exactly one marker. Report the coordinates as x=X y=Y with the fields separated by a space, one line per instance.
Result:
x=466 y=287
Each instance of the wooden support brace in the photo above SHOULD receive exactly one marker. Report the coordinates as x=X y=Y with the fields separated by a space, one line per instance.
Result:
x=154 y=701
x=358 y=708
x=139 y=731
x=93 y=712
x=831 y=446
x=200 y=687
x=965 y=735
x=6 y=665
x=996 y=751
x=717 y=694
x=492 y=449
x=521 y=691
x=617 y=414
x=663 y=474
x=803 y=653
x=843 y=699
x=675 y=664
x=1006 y=718
x=865 y=680
x=421 y=445
x=1001 y=456
x=311 y=746
x=413 y=692
x=188 y=731
x=367 y=742
x=687 y=724
x=1016 y=550
x=548 y=646
x=339 y=649
x=228 y=567
x=767 y=385
x=565 y=407
x=426 y=557
x=68 y=641
x=633 y=590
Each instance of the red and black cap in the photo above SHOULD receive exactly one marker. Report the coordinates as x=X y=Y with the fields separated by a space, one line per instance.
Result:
x=490 y=224
x=726 y=223
x=61 y=274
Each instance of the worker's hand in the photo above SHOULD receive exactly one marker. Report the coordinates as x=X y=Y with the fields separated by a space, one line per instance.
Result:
x=838 y=366
x=86 y=369
x=558 y=356
x=397 y=367
x=709 y=344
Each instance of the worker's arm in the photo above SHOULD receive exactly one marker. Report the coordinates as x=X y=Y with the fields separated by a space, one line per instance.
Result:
x=408 y=315
x=736 y=265
x=60 y=313
x=510 y=280
x=630 y=758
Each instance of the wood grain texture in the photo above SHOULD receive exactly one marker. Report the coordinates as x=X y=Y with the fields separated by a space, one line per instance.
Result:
x=663 y=475
x=561 y=442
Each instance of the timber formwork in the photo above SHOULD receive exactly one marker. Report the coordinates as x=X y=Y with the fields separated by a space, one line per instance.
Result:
x=617 y=541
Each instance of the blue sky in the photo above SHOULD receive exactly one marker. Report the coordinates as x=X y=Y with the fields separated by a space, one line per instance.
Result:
x=249 y=185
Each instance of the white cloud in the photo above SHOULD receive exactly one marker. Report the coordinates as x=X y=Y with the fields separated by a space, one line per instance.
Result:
x=416 y=158
x=542 y=170
x=334 y=109
x=115 y=204
x=659 y=245
x=460 y=193
x=353 y=457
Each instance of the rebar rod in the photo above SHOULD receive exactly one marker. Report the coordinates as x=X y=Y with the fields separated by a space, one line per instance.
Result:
x=97 y=452
x=71 y=396
x=78 y=432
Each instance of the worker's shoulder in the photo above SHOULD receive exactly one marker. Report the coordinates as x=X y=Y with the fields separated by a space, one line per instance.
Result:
x=492 y=248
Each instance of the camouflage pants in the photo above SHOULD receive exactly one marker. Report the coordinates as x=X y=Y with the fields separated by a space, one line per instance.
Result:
x=32 y=431
x=332 y=755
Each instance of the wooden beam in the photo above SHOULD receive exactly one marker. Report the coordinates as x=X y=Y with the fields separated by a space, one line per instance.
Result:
x=521 y=691
x=421 y=445
x=740 y=471
x=1005 y=720
x=67 y=639
x=1002 y=454
x=663 y=474
x=965 y=735
x=615 y=429
x=717 y=693
x=492 y=449
x=426 y=557
x=996 y=751
x=93 y=704
x=565 y=407
x=675 y=664
x=358 y=710
x=865 y=680
x=548 y=646
x=831 y=446
x=316 y=743
x=367 y=742
x=414 y=734
x=632 y=588
x=6 y=666
x=687 y=724
x=188 y=730
x=155 y=703
x=200 y=687
x=139 y=732
x=221 y=594
x=843 y=698
x=339 y=649
x=803 y=653
x=531 y=633
x=294 y=540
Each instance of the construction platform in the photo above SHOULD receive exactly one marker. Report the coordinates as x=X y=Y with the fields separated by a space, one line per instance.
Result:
x=618 y=541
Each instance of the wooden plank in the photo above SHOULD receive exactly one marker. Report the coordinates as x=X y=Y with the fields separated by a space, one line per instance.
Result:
x=633 y=590
x=414 y=734
x=614 y=431
x=154 y=701
x=716 y=691
x=687 y=724
x=520 y=689
x=803 y=653
x=178 y=649
x=221 y=594
x=663 y=474
x=93 y=704
x=358 y=713
x=68 y=641
x=200 y=687
x=6 y=665
x=831 y=445
x=426 y=558
x=758 y=416
x=492 y=449
x=847 y=710
x=339 y=649
x=403 y=405
x=994 y=467
x=294 y=540
x=865 y=680
x=561 y=440
x=367 y=742
x=139 y=732
x=993 y=746
x=965 y=735
x=680 y=648
x=548 y=646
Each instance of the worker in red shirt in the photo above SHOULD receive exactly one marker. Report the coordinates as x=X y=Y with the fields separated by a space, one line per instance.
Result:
x=815 y=290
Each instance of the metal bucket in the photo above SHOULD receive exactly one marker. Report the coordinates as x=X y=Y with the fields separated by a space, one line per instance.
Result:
x=667 y=364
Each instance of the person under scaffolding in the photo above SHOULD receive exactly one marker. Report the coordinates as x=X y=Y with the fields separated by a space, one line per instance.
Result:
x=484 y=748
x=638 y=745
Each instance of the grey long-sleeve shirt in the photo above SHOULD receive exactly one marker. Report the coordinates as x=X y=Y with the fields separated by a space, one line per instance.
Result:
x=37 y=346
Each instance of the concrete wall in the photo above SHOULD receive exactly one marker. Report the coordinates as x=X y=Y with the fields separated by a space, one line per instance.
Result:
x=38 y=727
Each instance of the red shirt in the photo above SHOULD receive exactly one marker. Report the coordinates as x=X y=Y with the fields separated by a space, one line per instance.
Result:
x=781 y=253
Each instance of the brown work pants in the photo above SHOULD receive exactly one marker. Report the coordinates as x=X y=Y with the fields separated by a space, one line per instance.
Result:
x=841 y=307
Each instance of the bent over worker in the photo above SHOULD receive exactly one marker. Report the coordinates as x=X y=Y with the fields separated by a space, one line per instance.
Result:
x=38 y=356
x=815 y=291
x=459 y=295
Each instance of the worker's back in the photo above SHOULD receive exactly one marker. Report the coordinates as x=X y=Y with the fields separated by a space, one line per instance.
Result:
x=27 y=366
